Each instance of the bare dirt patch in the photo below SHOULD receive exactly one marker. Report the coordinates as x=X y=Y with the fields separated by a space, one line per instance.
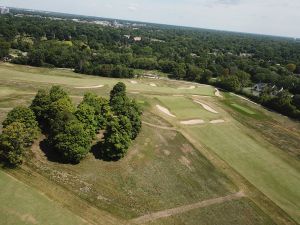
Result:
x=186 y=148
x=153 y=85
x=133 y=82
x=186 y=162
x=206 y=107
x=91 y=87
x=165 y=111
x=167 y=152
x=192 y=122
x=27 y=218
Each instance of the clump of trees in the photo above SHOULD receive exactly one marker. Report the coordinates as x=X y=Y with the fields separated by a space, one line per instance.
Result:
x=123 y=125
x=71 y=130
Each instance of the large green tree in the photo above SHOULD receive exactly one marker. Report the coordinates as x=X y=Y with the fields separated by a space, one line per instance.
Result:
x=25 y=116
x=86 y=115
x=12 y=143
x=73 y=142
x=116 y=138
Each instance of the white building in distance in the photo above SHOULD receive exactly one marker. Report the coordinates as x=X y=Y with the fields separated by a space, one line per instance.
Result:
x=4 y=10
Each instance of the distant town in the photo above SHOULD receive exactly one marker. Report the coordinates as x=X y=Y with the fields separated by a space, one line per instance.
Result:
x=4 y=10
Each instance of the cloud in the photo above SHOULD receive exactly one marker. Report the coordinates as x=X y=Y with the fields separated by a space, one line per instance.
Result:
x=133 y=7
x=218 y=3
x=227 y=2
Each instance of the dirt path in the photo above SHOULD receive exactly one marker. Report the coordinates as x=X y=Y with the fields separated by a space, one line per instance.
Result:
x=159 y=127
x=171 y=212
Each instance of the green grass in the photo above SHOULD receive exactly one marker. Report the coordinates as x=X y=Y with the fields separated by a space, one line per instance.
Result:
x=275 y=174
x=162 y=169
x=20 y=205
x=43 y=77
x=185 y=108
x=244 y=211
x=257 y=160
x=242 y=108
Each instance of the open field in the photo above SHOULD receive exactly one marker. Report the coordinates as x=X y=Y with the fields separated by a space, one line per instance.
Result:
x=172 y=165
x=21 y=204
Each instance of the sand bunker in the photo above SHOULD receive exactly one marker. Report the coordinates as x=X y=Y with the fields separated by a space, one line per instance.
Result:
x=153 y=85
x=187 y=88
x=164 y=110
x=90 y=87
x=217 y=93
x=217 y=121
x=133 y=82
x=208 y=108
x=192 y=122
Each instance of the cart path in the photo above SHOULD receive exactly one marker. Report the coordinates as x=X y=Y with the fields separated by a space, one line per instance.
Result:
x=159 y=127
x=174 y=211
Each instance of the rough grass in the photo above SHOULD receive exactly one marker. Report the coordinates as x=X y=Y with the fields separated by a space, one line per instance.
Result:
x=20 y=204
x=275 y=174
x=244 y=211
x=44 y=76
x=162 y=170
x=242 y=108
x=257 y=160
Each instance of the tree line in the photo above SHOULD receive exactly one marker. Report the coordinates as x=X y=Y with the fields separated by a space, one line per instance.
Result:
x=70 y=131
x=232 y=61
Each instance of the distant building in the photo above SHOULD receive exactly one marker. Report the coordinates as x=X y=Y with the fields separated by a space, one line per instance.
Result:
x=4 y=10
x=137 y=38
x=259 y=87
x=246 y=55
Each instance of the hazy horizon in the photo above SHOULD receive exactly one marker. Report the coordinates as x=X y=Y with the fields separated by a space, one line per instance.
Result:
x=269 y=17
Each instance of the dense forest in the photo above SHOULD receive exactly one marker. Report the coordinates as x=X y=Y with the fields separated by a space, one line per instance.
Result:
x=232 y=61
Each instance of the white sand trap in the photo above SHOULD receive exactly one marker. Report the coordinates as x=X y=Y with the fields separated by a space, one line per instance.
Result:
x=91 y=87
x=164 y=110
x=133 y=82
x=217 y=121
x=187 y=88
x=217 y=93
x=192 y=122
x=208 y=108
x=153 y=85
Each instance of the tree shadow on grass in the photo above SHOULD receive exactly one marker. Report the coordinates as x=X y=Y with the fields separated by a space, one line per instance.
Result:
x=50 y=154
x=99 y=152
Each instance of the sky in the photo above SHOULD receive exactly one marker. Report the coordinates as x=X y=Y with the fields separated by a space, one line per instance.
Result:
x=273 y=17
